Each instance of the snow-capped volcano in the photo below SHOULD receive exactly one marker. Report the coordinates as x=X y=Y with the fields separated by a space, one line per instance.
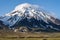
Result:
x=30 y=13
x=22 y=11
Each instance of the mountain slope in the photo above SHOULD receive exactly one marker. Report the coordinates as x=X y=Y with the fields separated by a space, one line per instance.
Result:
x=31 y=16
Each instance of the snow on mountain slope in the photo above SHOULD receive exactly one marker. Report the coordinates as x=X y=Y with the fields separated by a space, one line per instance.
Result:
x=28 y=11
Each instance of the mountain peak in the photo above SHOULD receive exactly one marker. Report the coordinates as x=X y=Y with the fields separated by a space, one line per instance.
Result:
x=24 y=6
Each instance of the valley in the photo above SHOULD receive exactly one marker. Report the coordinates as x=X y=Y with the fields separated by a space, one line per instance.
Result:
x=29 y=36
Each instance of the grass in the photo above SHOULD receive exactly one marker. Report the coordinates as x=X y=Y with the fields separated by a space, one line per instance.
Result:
x=29 y=38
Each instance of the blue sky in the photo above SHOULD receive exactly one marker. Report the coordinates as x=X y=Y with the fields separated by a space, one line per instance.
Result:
x=7 y=6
